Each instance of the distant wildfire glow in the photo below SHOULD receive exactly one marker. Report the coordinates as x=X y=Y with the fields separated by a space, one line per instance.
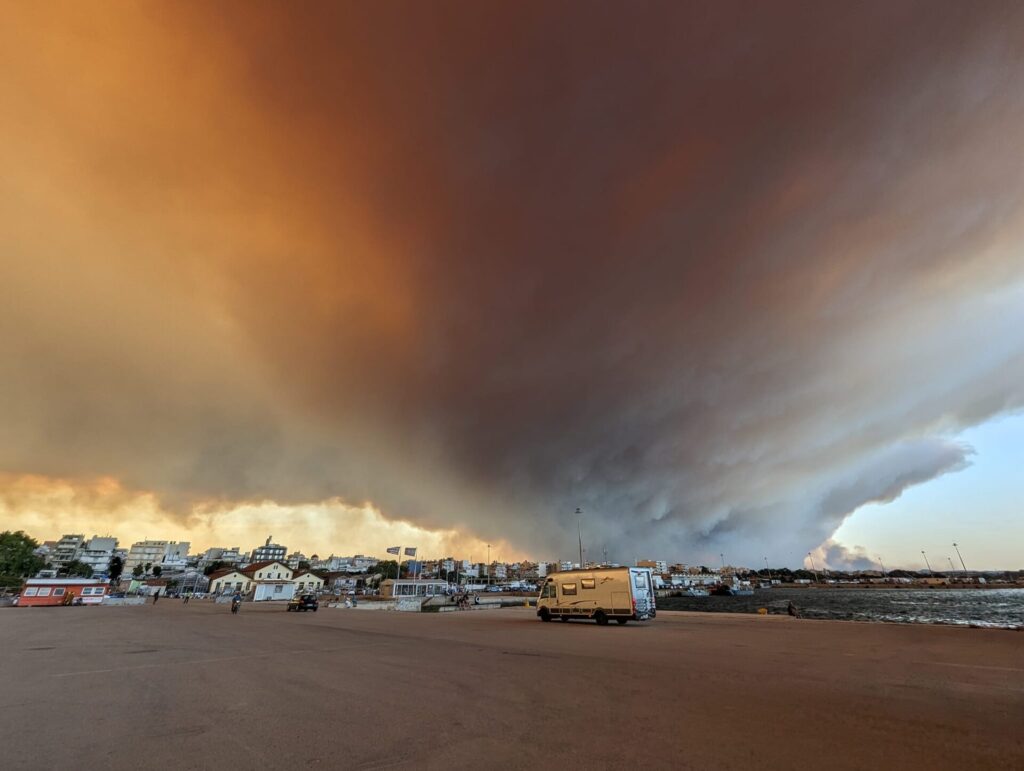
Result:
x=718 y=276
x=59 y=506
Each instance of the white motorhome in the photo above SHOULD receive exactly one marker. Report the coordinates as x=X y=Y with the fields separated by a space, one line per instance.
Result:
x=601 y=594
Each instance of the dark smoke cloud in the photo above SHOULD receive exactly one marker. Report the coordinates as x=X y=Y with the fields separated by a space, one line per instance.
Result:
x=718 y=276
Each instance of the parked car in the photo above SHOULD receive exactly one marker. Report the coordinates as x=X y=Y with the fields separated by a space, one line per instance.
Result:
x=304 y=602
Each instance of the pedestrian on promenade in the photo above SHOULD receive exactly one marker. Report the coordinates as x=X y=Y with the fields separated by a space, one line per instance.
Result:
x=791 y=610
x=156 y=596
x=186 y=598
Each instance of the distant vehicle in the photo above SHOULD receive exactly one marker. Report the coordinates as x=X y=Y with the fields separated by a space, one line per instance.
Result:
x=493 y=588
x=304 y=602
x=601 y=594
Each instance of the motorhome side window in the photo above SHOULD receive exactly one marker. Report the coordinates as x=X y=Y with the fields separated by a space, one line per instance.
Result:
x=568 y=588
x=640 y=580
x=549 y=589
x=587 y=583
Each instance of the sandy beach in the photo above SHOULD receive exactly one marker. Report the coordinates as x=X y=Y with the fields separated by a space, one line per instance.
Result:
x=179 y=686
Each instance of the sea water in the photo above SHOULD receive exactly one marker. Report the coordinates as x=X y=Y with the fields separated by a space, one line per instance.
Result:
x=1003 y=608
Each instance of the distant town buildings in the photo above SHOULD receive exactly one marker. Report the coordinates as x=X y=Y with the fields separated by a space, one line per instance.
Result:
x=269 y=551
x=97 y=553
x=232 y=556
x=169 y=555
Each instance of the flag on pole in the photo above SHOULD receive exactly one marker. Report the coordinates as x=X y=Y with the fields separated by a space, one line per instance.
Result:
x=394 y=549
x=410 y=551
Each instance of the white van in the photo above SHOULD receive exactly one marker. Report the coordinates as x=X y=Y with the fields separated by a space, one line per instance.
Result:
x=601 y=594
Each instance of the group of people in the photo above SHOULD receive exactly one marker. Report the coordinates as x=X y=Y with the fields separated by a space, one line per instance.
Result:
x=462 y=600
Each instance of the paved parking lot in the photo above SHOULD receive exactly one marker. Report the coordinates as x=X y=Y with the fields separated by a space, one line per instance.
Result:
x=178 y=686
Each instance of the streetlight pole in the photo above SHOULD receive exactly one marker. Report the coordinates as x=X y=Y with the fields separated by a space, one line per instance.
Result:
x=488 y=564
x=880 y=564
x=813 y=569
x=579 y=533
x=926 y=561
x=958 y=554
x=768 y=569
x=952 y=568
x=722 y=557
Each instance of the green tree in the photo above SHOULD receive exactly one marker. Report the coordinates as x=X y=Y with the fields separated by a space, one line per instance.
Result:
x=213 y=566
x=157 y=571
x=303 y=565
x=115 y=568
x=137 y=571
x=148 y=566
x=77 y=569
x=17 y=555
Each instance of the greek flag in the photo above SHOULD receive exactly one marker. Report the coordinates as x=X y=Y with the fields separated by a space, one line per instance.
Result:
x=410 y=551
x=394 y=549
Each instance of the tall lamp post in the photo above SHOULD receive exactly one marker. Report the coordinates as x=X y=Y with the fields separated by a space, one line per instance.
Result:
x=952 y=567
x=813 y=569
x=488 y=564
x=579 y=533
x=881 y=564
x=927 y=564
x=768 y=569
x=960 y=556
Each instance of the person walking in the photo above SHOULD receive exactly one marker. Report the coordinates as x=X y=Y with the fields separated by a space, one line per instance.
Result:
x=156 y=596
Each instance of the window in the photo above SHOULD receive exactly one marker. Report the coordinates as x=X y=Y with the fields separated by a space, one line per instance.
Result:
x=640 y=580
x=548 y=590
x=59 y=591
x=568 y=589
x=587 y=583
x=31 y=591
x=259 y=575
x=278 y=589
x=301 y=585
x=44 y=592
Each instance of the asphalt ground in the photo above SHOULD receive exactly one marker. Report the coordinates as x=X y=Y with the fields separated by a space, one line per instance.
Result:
x=176 y=686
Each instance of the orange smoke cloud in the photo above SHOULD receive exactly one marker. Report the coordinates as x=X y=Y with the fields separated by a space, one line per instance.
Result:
x=48 y=508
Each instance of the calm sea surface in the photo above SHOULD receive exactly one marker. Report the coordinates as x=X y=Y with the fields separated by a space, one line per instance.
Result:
x=982 y=607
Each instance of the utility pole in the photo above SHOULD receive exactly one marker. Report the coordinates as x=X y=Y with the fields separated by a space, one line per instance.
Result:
x=879 y=558
x=768 y=569
x=579 y=532
x=722 y=557
x=961 y=557
x=926 y=561
x=813 y=569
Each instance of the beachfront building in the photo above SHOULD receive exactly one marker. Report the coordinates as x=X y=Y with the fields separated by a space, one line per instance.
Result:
x=296 y=557
x=229 y=581
x=408 y=587
x=62 y=591
x=306 y=582
x=271 y=580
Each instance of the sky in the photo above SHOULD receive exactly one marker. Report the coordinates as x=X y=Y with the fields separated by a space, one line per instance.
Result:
x=732 y=279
